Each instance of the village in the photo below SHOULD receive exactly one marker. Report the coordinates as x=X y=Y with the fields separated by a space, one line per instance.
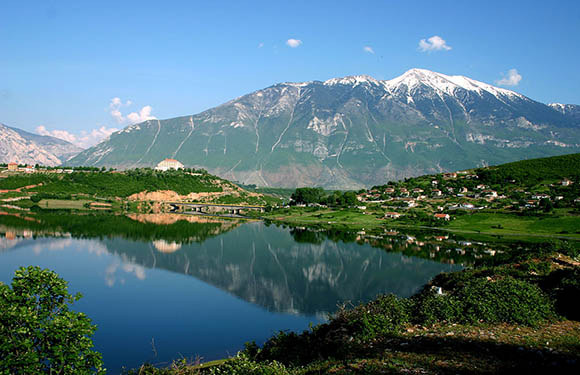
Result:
x=445 y=194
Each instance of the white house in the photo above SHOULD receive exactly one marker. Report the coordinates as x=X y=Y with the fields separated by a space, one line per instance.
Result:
x=168 y=164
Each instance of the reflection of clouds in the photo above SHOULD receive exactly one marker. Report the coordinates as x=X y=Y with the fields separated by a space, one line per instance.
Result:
x=136 y=269
x=112 y=276
x=92 y=247
x=56 y=245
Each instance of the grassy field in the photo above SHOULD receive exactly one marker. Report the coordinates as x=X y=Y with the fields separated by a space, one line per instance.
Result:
x=312 y=216
x=498 y=223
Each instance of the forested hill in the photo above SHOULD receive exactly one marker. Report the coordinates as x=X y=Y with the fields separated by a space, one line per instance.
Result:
x=533 y=171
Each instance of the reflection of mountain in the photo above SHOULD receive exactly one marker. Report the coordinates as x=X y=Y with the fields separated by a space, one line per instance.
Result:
x=266 y=266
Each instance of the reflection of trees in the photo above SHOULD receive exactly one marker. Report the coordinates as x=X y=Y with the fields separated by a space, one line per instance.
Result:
x=172 y=228
x=268 y=267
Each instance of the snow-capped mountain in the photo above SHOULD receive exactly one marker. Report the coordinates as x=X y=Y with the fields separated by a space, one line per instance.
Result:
x=17 y=145
x=349 y=132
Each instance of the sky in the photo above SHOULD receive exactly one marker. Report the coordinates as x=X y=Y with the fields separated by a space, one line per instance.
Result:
x=80 y=70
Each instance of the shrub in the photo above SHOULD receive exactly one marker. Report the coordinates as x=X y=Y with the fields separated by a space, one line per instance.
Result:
x=385 y=315
x=432 y=308
x=242 y=365
x=504 y=300
x=38 y=332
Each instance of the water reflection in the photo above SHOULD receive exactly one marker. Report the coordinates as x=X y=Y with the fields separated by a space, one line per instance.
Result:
x=204 y=286
x=295 y=270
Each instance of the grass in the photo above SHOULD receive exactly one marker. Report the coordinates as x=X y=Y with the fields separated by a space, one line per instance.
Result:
x=498 y=223
x=323 y=217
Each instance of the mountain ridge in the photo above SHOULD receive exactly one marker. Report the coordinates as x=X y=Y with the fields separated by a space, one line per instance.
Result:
x=349 y=132
x=20 y=146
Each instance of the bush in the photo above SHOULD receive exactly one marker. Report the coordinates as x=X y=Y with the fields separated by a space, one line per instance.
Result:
x=505 y=300
x=385 y=315
x=38 y=332
x=432 y=308
x=242 y=365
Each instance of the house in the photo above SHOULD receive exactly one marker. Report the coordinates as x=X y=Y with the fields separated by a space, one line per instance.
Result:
x=434 y=183
x=417 y=190
x=450 y=175
x=445 y=217
x=168 y=164
x=480 y=187
x=12 y=166
x=566 y=182
x=463 y=190
x=540 y=196
x=437 y=192
x=490 y=193
x=392 y=215
x=389 y=190
x=29 y=169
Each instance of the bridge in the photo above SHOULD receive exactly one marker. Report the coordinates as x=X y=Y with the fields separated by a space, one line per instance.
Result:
x=234 y=209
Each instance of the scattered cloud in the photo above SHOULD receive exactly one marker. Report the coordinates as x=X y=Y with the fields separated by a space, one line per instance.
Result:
x=369 y=49
x=435 y=43
x=115 y=106
x=512 y=78
x=83 y=139
x=260 y=45
x=293 y=43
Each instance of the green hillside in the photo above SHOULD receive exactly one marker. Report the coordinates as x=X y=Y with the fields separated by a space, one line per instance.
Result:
x=534 y=171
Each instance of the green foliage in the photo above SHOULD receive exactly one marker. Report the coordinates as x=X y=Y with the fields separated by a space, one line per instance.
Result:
x=242 y=365
x=112 y=184
x=531 y=172
x=385 y=315
x=431 y=308
x=308 y=195
x=505 y=300
x=38 y=332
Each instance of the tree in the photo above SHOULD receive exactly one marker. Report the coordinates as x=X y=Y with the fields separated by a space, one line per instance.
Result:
x=38 y=332
x=307 y=195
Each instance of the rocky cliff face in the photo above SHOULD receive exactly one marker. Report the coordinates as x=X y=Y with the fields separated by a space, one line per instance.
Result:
x=19 y=146
x=349 y=132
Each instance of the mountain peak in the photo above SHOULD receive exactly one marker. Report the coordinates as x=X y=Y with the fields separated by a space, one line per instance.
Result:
x=445 y=83
x=352 y=80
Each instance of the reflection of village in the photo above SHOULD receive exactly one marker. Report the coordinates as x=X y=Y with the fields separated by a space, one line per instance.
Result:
x=440 y=247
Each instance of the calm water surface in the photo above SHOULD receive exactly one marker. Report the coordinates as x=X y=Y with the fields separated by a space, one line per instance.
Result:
x=161 y=289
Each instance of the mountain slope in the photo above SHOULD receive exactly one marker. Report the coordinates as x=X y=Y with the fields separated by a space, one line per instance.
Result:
x=349 y=132
x=17 y=145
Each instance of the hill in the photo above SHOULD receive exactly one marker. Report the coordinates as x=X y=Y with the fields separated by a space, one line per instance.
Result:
x=349 y=132
x=22 y=147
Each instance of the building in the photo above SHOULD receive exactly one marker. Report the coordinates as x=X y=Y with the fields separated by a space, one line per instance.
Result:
x=566 y=182
x=168 y=164
x=392 y=215
x=445 y=217
x=12 y=166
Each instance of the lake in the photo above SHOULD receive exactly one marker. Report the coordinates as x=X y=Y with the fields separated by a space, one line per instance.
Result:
x=167 y=286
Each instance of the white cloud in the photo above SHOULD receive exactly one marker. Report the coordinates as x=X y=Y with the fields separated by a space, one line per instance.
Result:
x=293 y=43
x=82 y=139
x=260 y=45
x=369 y=49
x=513 y=78
x=115 y=105
x=435 y=43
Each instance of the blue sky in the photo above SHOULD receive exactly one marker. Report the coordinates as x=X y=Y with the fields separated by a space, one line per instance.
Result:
x=63 y=62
